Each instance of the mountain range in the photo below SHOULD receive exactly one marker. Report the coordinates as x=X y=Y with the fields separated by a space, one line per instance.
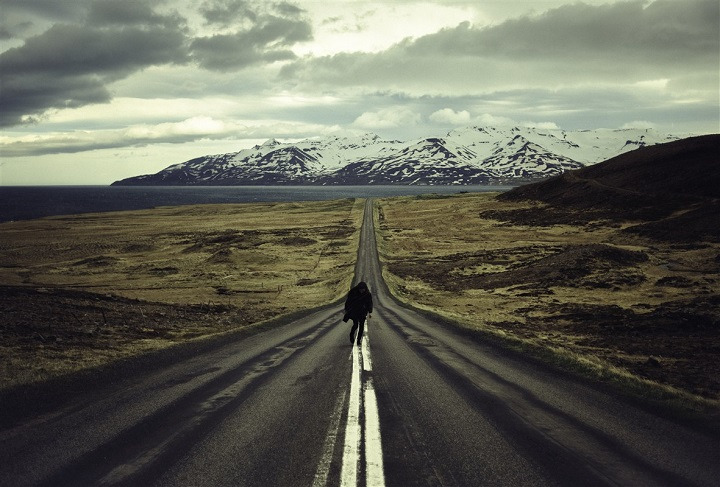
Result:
x=470 y=155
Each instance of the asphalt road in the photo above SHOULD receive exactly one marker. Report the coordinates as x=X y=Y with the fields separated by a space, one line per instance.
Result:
x=418 y=404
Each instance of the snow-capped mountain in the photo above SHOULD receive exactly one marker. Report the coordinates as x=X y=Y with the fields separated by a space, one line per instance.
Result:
x=471 y=155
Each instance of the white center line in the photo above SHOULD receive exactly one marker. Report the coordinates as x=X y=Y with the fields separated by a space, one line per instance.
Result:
x=367 y=363
x=351 y=457
x=374 y=473
x=361 y=395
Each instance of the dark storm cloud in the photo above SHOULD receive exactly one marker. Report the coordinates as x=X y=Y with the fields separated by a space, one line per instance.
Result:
x=128 y=12
x=288 y=9
x=267 y=37
x=660 y=31
x=227 y=12
x=13 y=30
x=235 y=51
x=78 y=50
x=47 y=9
x=20 y=19
x=70 y=65
x=629 y=41
x=92 y=44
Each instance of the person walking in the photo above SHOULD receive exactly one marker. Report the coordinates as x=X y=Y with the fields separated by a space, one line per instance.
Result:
x=358 y=306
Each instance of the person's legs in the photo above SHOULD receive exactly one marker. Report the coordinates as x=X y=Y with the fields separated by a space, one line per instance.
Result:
x=352 y=331
x=361 y=328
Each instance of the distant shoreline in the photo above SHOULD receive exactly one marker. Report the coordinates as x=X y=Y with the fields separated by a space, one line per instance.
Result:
x=29 y=202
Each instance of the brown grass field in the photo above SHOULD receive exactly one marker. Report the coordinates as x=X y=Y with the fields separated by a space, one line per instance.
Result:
x=585 y=294
x=84 y=290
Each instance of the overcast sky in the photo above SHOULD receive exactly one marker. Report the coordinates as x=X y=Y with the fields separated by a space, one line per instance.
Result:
x=92 y=91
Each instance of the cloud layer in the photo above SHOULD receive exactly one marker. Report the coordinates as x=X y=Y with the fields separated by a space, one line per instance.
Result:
x=73 y=64
x=265 y=36
x=618 y=43
x=89 y=75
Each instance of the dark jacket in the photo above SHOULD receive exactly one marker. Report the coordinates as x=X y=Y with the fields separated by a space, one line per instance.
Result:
x=358 y=303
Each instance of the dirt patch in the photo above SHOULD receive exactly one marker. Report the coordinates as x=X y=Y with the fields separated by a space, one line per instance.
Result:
x=665 y=344
x=65 y=330
x=701 y=223
x=297 y=241
x=676 y=281
x=595 y=265
x=138 y=247
x=539 y=215
x=163 y=271
x=222 y=256
x=100 y=261
x=213 y=241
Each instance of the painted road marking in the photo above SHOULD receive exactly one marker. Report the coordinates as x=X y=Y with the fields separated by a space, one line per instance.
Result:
x=351 y=457
x=374 y=470
x=374 y=474
x=365 y=396
x=367 y=362
x=361 y=396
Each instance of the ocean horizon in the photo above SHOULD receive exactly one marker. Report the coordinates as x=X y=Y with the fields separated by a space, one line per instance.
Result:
x=29 y=202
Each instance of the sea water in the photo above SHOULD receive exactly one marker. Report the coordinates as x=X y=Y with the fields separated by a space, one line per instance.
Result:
x=27 y=202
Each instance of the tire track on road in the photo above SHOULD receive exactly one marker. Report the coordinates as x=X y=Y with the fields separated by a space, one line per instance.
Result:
x=142 y=452
x=542 y=432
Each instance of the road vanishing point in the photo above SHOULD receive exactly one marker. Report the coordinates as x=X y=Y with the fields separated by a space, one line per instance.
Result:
x=420 y=403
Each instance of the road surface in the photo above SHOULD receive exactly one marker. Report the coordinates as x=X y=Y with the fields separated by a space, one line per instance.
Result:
x=418 y=404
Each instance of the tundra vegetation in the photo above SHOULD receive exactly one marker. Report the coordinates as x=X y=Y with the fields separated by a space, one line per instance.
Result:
x=595 y=295
x=614 y=299
x=84 y=290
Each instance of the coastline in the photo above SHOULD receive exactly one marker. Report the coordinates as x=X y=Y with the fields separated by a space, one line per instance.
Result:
x=29 y=202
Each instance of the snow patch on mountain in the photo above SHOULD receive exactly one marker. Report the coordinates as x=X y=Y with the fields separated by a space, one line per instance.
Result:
x=469 y=155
